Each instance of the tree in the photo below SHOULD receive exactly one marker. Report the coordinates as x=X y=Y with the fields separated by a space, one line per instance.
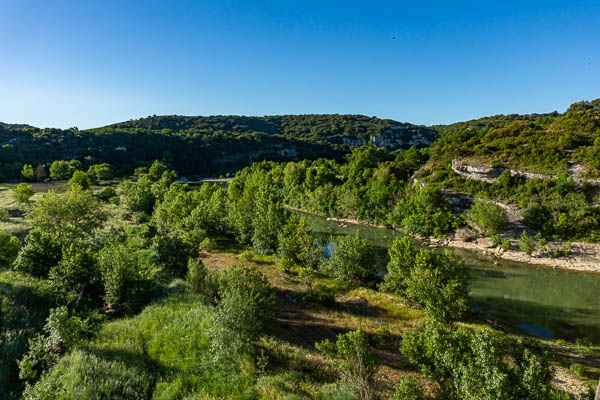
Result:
x=245 y=295
x=472 y=365
x=23 y=192
x=139 y=196
x=80 y=178
x=28 y=172
x=438 y=282
x=268 y=219
x=9 y=248
x=487 y=216
x=526 y=243
x=60 y=170
x=356 y=360
x=70 y=217
x=173 y=253
x=126 y=281
x=100 y=172
x=352 y=260
x=77 y=272
x=296 y=242
x=41 y=252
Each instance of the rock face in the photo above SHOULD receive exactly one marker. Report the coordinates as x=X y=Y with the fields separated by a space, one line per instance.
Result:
x=491 y=174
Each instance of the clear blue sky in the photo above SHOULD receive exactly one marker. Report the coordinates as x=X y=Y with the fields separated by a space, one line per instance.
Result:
x=90 y=63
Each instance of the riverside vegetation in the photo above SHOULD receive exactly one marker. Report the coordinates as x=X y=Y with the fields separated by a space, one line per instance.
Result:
x=148 y=288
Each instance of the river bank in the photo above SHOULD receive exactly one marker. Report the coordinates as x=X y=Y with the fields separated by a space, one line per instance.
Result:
x=583 y=257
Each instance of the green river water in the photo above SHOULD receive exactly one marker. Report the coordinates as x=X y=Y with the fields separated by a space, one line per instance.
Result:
x=541 y=301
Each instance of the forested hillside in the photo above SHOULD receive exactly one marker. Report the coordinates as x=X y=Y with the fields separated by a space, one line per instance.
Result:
x=202 y=145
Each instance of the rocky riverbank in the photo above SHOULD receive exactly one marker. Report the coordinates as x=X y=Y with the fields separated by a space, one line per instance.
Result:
x=582 y=256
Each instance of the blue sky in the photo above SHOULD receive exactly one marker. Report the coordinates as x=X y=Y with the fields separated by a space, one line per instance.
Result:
x=91 y=63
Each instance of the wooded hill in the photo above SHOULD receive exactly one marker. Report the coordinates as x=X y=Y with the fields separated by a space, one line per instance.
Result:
x=204 y=145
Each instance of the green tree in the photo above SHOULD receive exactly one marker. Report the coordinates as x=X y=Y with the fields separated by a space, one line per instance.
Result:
x=40 y=253
x=356 y=360
x=100 y=172
x=80 y=178
x=70 y=217
x=60 y=170
x=23 y=192
x=526 y=243
x=438 y=282
x=28 y=172
x=267 y=220
x=472 y=365
x=245 y=295
x=352 y=260
x=487 y=216
x=127 y=282
x=296 y=242
x=139 y=196
x=77 y=272
x=9 y=248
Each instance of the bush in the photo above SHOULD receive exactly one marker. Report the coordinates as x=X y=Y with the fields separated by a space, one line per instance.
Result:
x=9 y=248
x=352 y=260
x=4 y=215
x=22 y=193
x=578 y=369
x=173 y=253
x=77 y=272
x=40 y=253
x=487 y=216
x=106 y=194
x=127 y=283
x=358 y=363
x=245 y=295
x=526 y=243
x=60 y=170
x=473 y=365
x=438 y=282
x=81 y=179
x=321 y=294
x=202 y=280
x=70 y=217
x=61 y=332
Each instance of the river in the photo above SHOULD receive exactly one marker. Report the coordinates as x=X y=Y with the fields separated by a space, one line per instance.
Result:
x=541 y=301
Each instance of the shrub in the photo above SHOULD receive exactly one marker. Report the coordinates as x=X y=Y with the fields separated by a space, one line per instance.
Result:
x=107 y=194
x=9 y=248
x=77 y=272
x=321 y=294
x=352 y=260
x=127 y=283
x=358 y=363
x=201 y=279
x=438 y=282
x=40 y=253
x=295 y=241
x=245 y=295
x=60 y=170
x=100 y=172
x=173 y=253
x=81 y=179
x=505 y=246
x=578 y=369
x=487 y=216
x=23 y=192
x=472 y=365
x=60 y=332
x=526 y=243
x=4 y=215
x=70 y=217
